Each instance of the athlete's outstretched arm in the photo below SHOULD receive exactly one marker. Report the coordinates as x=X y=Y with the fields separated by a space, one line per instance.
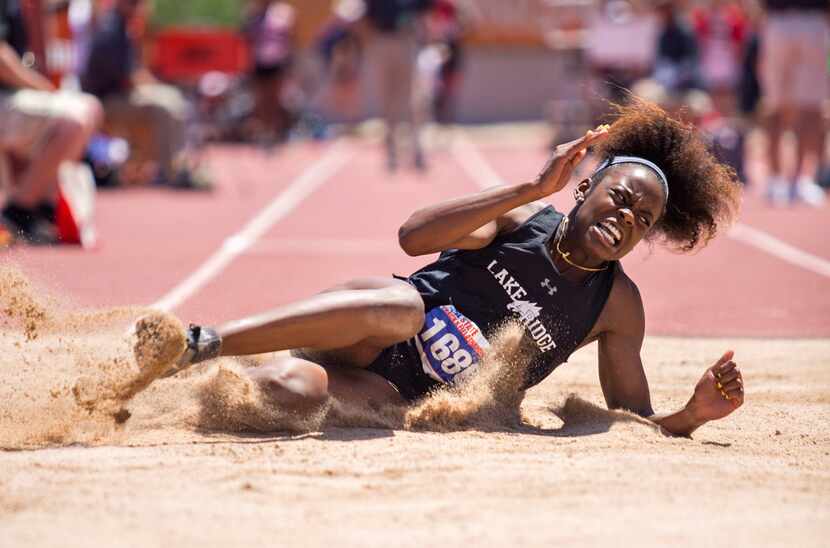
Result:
x=471 y=222
x=624 y=383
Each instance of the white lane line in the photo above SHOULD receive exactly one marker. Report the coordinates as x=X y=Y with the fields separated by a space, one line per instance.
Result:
x=478 y=168
x=778 y=248
x=474 y=163
x=322 y=246
x=297 y=191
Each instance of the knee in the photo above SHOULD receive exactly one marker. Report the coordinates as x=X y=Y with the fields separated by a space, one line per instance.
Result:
x=80 y=117
x=400 y=309
x=295 y=383
x=307 y=380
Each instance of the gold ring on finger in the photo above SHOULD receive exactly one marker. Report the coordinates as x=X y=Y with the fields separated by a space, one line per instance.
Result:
x=719 y=385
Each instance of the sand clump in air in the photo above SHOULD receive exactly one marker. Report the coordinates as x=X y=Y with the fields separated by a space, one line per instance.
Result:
x=160 y=340
x=70 y=376
x=66 y=375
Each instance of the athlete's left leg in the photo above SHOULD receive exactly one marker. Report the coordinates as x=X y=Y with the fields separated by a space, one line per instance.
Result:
x=302 y=386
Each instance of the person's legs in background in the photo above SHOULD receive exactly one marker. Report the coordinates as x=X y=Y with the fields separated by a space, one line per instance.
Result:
x=394 y=56
x=42 y=130
x=270 y=123
x=811 y=90
x=795 y=85
x=776 y=57
x=161 y=112
x=344 y=81
x=406 y=95
x=810 y=131
x=167 y=111
x=776 y=120
x=386 y=70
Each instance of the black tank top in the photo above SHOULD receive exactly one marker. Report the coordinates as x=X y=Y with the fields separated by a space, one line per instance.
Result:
x=514 y=278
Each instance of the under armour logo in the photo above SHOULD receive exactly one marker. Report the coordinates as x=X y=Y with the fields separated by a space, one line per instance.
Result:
x=551 y=288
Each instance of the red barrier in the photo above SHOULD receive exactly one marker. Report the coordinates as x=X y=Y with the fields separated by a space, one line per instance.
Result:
x=185 y=54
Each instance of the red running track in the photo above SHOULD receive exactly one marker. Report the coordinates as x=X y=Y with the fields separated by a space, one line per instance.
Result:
x=152 y=240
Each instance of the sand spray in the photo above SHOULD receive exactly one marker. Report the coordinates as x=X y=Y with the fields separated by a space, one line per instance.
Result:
x=92 y=377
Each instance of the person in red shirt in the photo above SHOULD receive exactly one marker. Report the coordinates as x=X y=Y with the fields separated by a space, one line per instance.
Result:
x=721 y=28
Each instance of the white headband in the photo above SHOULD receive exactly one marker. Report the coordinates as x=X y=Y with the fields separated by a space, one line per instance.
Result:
x=614 y=160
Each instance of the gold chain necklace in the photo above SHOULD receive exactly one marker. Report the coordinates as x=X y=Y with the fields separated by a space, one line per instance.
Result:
x=565 y=255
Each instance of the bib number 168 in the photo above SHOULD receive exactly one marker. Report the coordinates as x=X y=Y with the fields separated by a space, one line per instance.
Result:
x=445 y=348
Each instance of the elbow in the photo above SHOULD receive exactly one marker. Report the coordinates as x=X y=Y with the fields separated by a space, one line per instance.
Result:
x=408 y=243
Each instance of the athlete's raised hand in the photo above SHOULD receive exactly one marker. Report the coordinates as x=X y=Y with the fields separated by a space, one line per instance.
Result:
x=720 y=390
x=560 y=166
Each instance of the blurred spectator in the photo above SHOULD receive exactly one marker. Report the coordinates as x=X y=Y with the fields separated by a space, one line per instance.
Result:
x=132 y=97
x=40 y=129
x=269 y=29
x=620 y=47
x=426 y=81
x=726 y=139
x=341 y=49
x=392 y=53
x=794 y=47
x=677 y=66
x=445 y=26
x=81 y=17
x=749 y=87
x=721 y=28
x=567 y=34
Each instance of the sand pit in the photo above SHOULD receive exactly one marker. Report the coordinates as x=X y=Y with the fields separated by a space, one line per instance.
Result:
x=193 y=466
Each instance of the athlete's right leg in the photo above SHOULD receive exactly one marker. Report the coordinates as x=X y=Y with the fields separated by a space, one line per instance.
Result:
x=349 y=325
x=375 y=311
x=345 y=327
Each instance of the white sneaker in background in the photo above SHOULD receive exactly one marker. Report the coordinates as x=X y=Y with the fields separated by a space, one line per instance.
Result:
x=779 y=191
x=809 y=192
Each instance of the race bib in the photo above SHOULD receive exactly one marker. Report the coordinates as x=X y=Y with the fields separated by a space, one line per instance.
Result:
x=450 y=344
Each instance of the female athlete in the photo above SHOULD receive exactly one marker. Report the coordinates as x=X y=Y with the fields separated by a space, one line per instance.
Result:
x=506 y=255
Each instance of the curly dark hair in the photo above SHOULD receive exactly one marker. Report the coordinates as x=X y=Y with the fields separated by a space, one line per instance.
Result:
x=704 y=194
